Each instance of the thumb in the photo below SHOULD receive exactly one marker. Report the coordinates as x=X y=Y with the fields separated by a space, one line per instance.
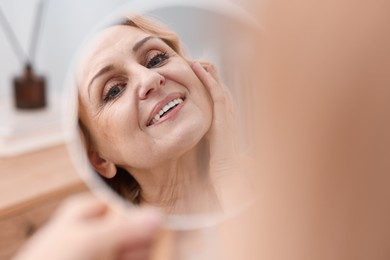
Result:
x=135 y=229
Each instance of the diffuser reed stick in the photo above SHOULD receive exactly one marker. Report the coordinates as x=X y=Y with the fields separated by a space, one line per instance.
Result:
x=36 y=31
x=22 y=56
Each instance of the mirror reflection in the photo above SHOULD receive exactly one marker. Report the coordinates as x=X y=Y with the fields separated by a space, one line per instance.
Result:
x=157 y=126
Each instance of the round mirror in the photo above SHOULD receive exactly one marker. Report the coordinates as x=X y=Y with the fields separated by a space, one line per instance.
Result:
x=161 y=109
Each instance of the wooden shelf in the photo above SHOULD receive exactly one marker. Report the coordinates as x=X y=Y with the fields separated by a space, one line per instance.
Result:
x=33 y=177
x=31 y=187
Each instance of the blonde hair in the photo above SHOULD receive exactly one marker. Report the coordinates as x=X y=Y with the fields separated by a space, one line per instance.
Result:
x=123 y=183
x=155 y=28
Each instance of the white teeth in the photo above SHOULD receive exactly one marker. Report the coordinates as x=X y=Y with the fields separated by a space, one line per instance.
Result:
x=170 y=105
x=165 y=109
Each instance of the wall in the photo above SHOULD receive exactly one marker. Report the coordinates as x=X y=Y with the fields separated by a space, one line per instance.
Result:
x=65 y=25
x=67 y=22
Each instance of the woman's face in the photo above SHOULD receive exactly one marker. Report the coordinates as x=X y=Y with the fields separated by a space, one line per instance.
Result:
x=143 y=105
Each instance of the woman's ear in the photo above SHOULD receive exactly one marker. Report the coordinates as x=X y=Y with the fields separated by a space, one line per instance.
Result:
x=104 y=167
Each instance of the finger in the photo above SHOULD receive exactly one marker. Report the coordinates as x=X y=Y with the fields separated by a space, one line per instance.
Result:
x=210 y=68
x=115 y=233
x=209 y=82
x=144 y=224
x=224 y=108
x=225 y=93
x=81 y=206
x=136 y=229
x=143 y=253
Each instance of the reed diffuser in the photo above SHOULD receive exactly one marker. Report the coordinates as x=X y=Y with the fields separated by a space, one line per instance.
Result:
x=29 y=88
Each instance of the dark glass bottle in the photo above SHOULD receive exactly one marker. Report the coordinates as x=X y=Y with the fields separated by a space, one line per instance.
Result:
x=29 y=90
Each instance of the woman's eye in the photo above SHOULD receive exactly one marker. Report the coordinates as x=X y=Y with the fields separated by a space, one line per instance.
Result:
x=157 y=60
x=114 y=92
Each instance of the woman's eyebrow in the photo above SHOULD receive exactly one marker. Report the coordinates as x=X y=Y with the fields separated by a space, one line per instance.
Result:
x=102 y=71
x=139 y=44
x=109 y=68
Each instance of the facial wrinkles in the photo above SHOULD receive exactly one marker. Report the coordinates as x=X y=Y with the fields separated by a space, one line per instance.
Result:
x=146 y=106
x=108 y=116
x=116 y=71
x=107 y=128
x=122 y=53
x=109 y=53
x=108 y=119
x=163 y=179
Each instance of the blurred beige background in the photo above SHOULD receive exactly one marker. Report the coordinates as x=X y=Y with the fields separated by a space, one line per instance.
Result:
x=323 y=133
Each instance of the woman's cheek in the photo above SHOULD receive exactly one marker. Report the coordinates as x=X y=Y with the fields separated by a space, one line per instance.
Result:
x=178 y=70
x=109 y=121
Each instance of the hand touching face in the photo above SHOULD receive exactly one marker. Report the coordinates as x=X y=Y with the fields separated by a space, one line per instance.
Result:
x=142 y=103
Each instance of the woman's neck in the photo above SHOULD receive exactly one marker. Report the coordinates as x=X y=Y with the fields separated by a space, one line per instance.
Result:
x=181 y=185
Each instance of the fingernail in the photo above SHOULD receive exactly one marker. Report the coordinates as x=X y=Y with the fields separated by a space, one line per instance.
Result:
x=197 y=64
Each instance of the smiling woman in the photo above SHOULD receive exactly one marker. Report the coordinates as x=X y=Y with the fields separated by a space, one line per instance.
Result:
x=157 y=127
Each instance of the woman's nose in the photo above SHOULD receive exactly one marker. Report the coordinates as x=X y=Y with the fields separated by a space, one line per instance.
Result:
x=150 y=81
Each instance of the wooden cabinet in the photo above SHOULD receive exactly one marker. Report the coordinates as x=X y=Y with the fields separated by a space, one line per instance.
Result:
x=31 y=187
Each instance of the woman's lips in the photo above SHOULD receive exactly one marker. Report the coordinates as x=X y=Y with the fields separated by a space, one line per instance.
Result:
x=164 y=108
